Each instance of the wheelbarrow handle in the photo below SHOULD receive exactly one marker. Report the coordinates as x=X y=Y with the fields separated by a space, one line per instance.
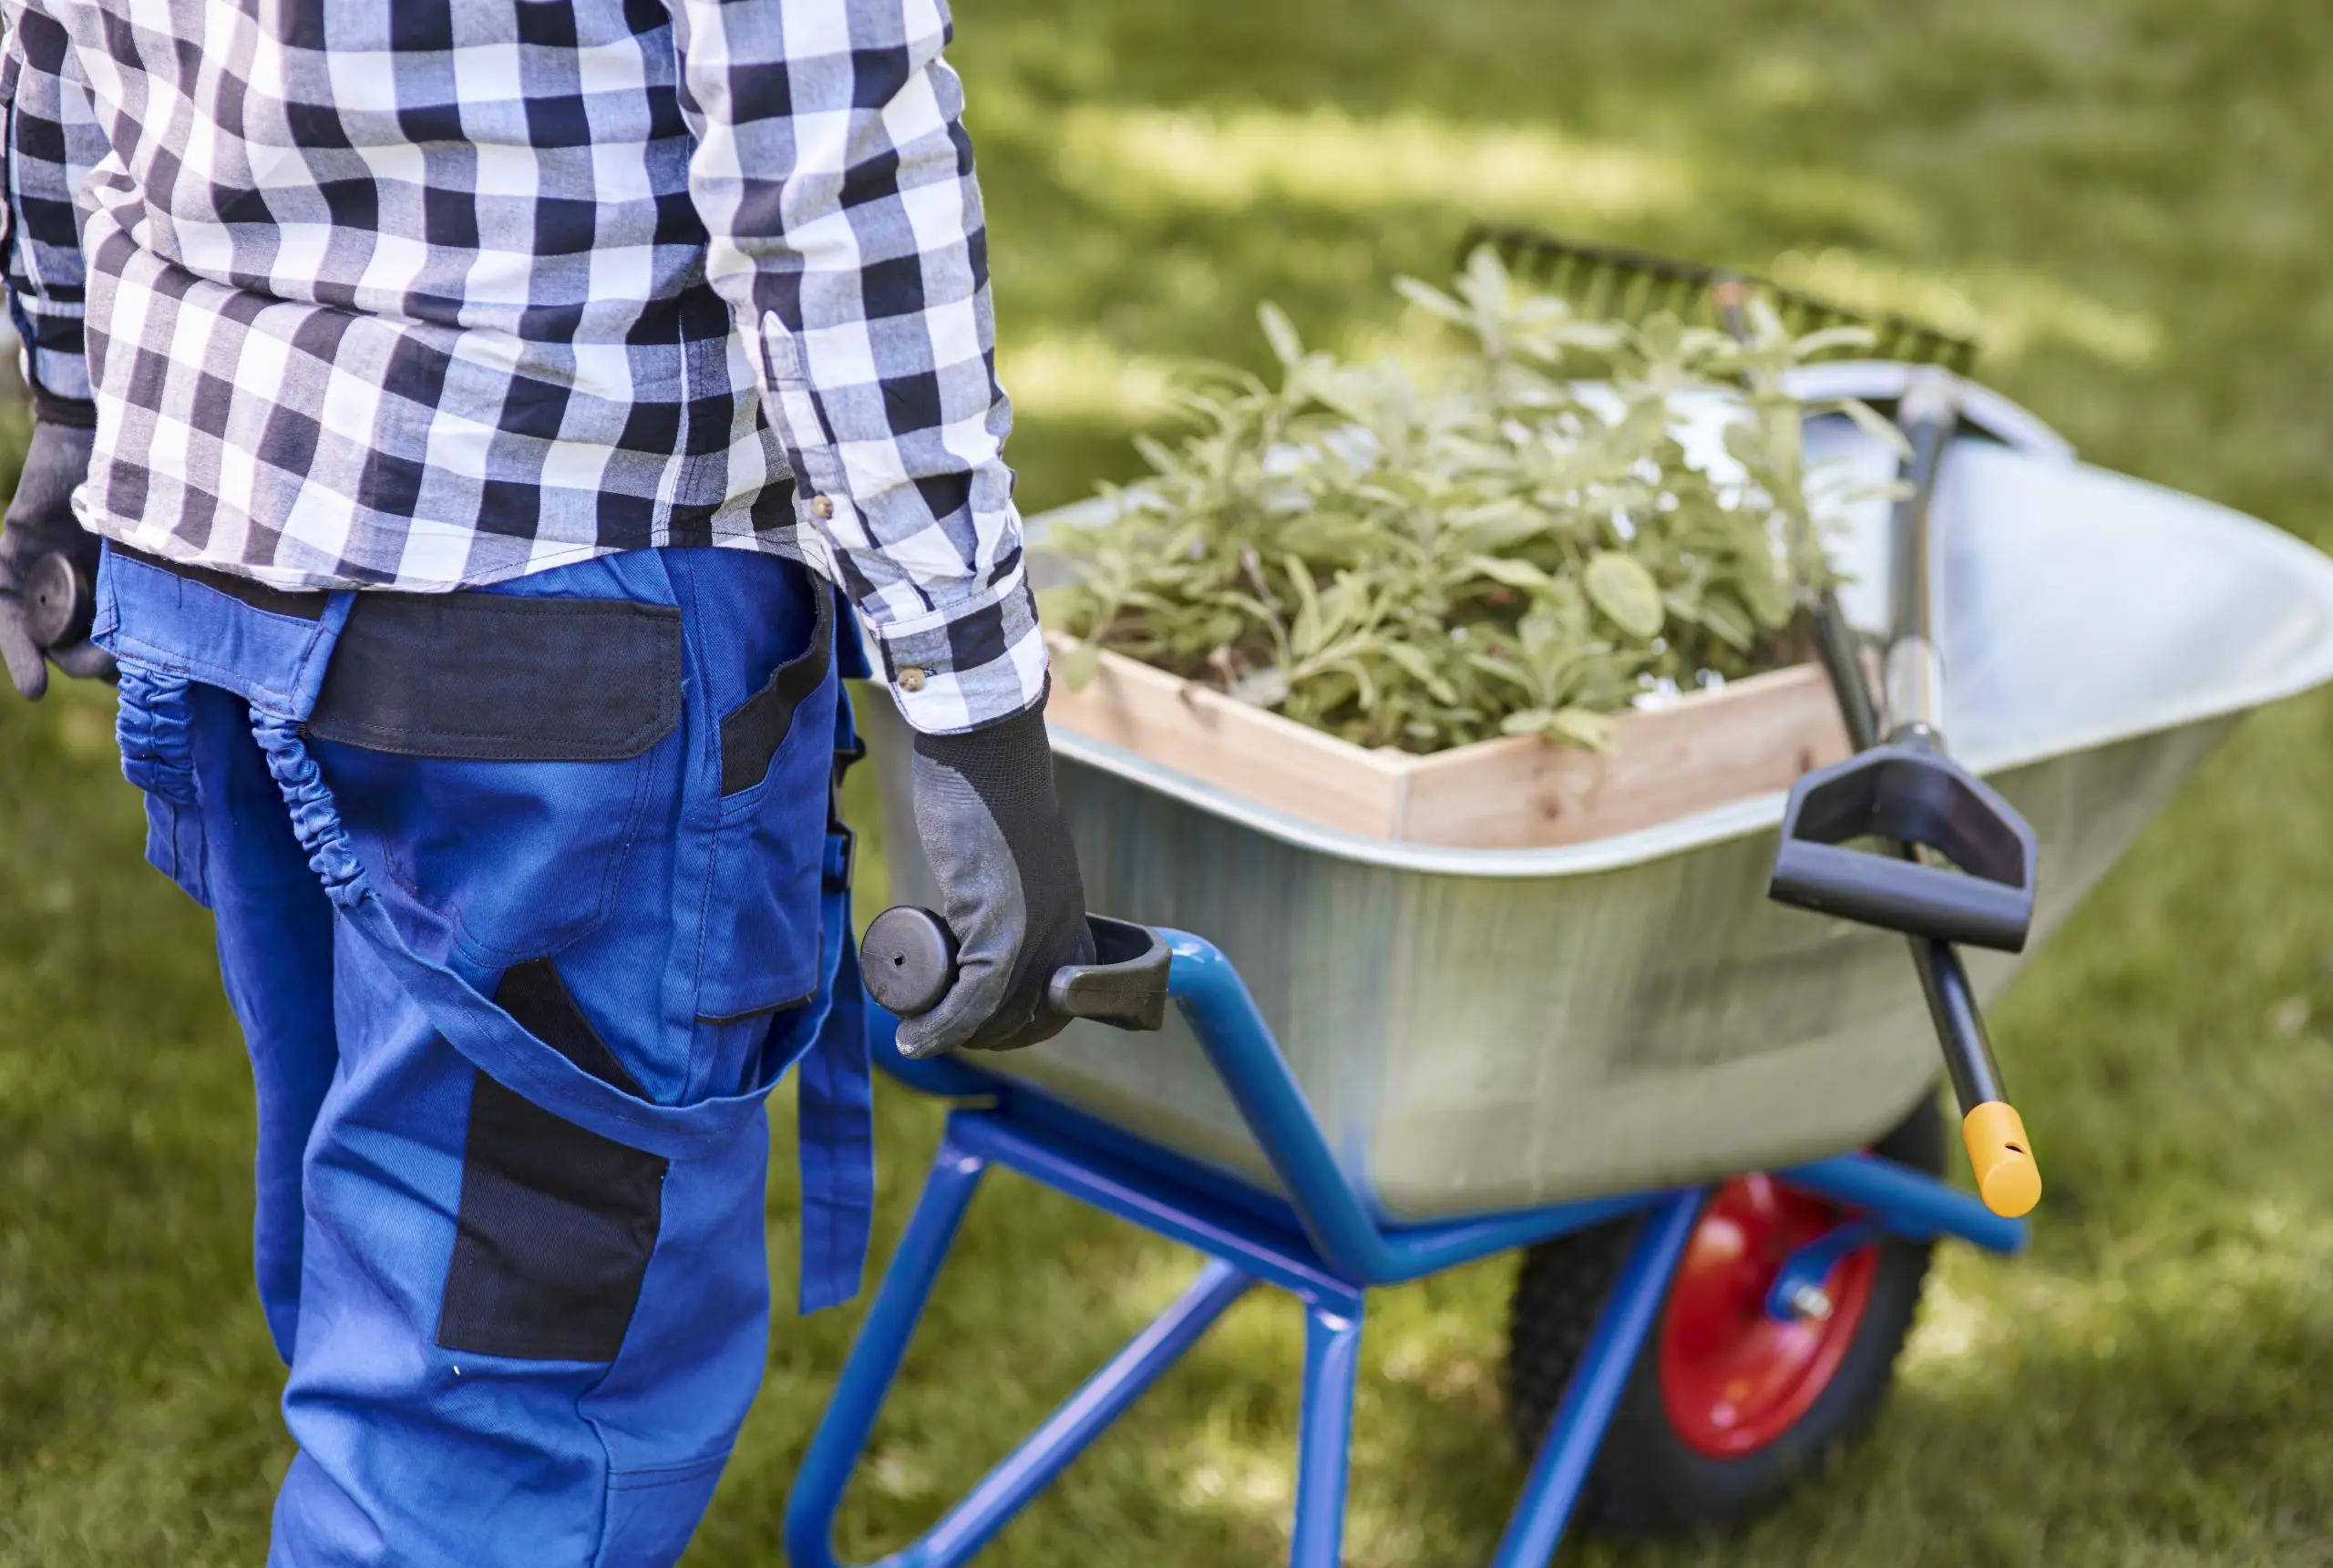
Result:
x=60 y=604
x=908 y=962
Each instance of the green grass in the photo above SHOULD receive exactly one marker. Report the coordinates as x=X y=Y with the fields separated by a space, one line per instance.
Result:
x=2127 y=195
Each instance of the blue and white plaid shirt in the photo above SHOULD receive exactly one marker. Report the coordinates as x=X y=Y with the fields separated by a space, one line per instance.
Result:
x=426 y=294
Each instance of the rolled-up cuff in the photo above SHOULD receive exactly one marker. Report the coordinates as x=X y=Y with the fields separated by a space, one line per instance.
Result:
x=55 y=359
x=970 y=665
x=50 y=409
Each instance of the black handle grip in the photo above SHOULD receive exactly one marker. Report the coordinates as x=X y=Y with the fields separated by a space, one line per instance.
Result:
x=1902 y=896
x=1913 y=796
x=60 y=602
x=909 y=960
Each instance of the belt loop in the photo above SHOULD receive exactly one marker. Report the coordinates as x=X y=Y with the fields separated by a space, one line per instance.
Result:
x=835 y=1090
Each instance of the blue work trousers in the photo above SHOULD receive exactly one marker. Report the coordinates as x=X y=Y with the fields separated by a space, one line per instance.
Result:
x=524 y=898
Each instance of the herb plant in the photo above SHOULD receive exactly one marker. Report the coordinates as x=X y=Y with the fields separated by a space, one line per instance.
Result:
x=1503 y=536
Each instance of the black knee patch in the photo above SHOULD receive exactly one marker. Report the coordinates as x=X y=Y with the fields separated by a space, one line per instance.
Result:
x=557 y=1224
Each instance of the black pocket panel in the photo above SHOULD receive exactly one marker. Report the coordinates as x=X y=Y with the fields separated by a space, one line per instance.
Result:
x=557 y=1224
x=751 y=735
x=496 y=677
x=759 y=948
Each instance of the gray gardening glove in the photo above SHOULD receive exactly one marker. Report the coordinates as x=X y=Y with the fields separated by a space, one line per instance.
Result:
x=48 y=562
x=1009 y=886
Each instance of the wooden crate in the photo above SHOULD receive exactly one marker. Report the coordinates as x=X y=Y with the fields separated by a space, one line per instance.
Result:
x=1750 y=737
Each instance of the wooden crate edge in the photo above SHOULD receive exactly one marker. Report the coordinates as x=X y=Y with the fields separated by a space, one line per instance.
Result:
x=1234 y=745
x=1749 y=736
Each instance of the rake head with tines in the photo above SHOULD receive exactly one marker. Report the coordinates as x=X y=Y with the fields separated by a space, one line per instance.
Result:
x=1611 y=281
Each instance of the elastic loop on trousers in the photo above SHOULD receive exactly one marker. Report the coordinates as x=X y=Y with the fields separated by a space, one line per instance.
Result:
x=315 y=821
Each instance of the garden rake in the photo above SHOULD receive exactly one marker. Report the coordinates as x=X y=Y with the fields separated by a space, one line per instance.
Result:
x=1611 y=281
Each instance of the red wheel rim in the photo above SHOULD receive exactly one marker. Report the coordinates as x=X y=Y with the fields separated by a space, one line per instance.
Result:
x=1732 y=1377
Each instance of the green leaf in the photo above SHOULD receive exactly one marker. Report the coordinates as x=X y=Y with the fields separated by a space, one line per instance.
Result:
x=1582 y=727
x=1868 y=420
x=1516 y=574
x=1062 y=604
x=1287 y=347
x=1662 y=335
x=1725 y=620
x=1078 y=665
x=1621 y=588
x=1432 y=300
x=1161 y=458
x=1831 y=340
x=1266 y=688
x=1420 y=670
x=1764 y=595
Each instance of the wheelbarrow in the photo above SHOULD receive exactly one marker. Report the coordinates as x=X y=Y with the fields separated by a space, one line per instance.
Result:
x=1707 y=1120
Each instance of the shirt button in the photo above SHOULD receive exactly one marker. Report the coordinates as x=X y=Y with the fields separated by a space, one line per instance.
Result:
x=822 y=508
x=913 y=677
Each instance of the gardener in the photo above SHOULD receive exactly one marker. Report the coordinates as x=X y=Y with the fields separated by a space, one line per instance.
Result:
x=481 y=405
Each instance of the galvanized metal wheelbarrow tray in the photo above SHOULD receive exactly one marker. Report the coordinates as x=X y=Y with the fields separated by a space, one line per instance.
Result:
x=1482 y=1030
x=1390 y=1058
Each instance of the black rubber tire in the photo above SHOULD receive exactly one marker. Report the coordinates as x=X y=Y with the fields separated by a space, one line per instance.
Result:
x=1646 y=1481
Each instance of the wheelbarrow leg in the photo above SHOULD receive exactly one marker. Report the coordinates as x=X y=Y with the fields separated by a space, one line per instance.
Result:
x=874 y=1363
x=1562 y=1467
x=1324 y=1435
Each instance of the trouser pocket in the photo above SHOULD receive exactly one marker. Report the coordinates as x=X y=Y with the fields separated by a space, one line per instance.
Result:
x=152 y=725
x=495 y=755
x=760 y=947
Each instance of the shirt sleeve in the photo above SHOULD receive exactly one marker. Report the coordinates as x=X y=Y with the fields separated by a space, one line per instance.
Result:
x=834 y=175
x=51 y=145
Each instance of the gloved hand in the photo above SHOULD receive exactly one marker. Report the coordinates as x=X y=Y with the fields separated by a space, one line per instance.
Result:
x=48 y=565
x=1009 y=886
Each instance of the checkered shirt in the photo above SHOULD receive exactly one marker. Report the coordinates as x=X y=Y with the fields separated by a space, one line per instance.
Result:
x=426 y=294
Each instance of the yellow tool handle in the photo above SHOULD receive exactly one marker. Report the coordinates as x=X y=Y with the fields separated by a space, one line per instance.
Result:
x=2007 y=1178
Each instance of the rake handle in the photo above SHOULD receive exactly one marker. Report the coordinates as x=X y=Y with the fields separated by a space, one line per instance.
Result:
x=2000 y=1153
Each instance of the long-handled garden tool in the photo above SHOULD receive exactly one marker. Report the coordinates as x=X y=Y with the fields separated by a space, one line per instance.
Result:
x=1901 y=788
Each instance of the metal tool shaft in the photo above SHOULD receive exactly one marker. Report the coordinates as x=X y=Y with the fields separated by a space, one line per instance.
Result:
x=1835 y=644
x=1952 y=1002
x=1912 y=673
x=1913 y=685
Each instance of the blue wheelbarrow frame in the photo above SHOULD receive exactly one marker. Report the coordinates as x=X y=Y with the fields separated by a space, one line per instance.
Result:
x=1322 y=1242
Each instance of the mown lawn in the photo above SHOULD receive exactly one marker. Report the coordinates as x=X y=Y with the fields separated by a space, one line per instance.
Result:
x=2128 y=197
